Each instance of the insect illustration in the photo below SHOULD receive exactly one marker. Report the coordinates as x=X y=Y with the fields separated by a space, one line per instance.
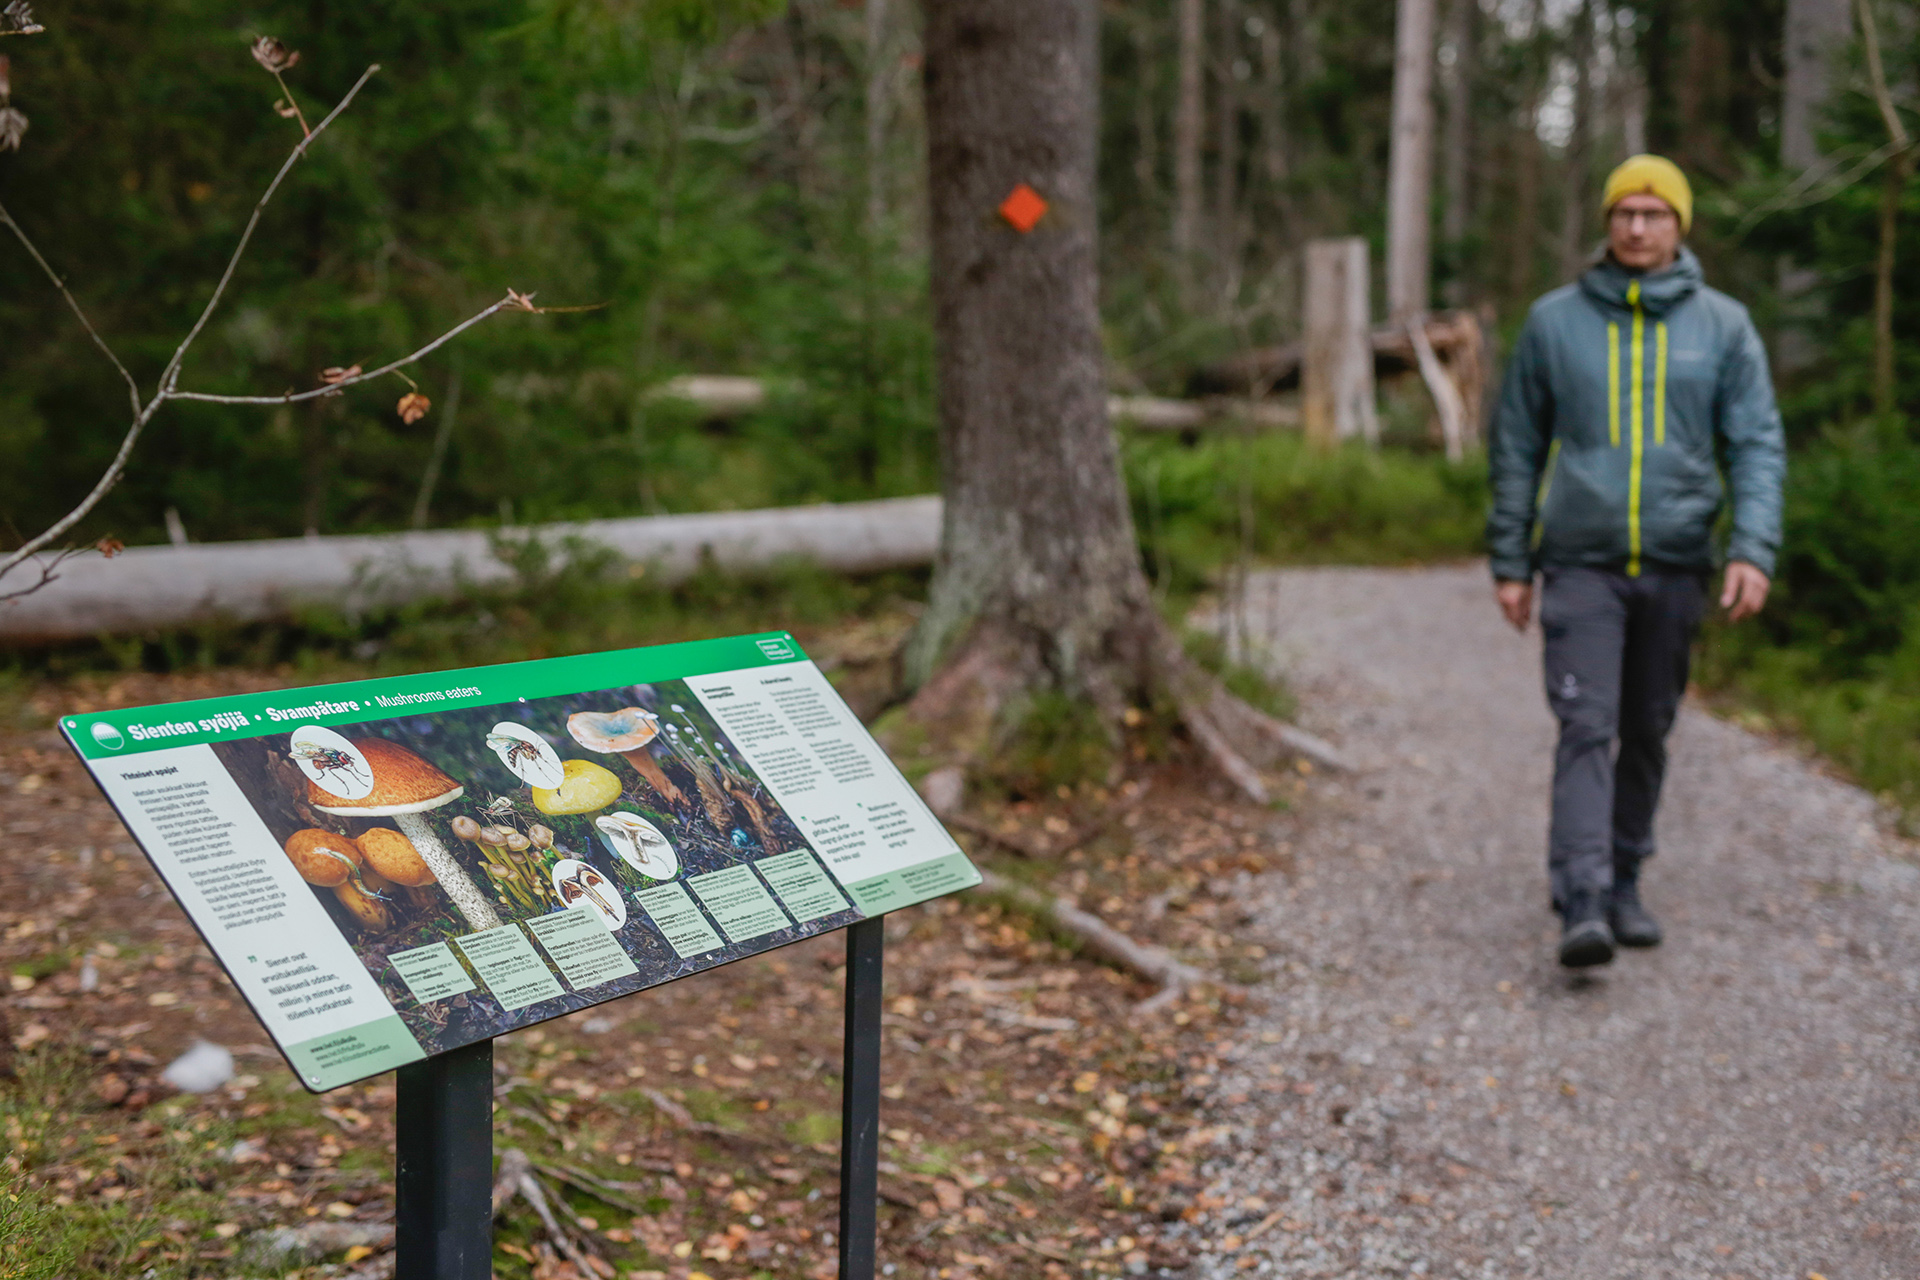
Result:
x=514 y=751
x=326 y=760
x=499 y=807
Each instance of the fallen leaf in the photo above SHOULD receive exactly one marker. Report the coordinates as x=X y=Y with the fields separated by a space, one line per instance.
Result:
x=358 y=1253
x=412 y=407
x=227 y=1230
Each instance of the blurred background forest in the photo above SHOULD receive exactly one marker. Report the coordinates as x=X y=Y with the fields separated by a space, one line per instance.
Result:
x=741 y=182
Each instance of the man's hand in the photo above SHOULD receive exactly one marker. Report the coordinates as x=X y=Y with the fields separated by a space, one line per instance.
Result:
x=1516 y=601
x=1745 y=592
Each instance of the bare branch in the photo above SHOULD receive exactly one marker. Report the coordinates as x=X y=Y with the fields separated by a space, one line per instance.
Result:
x=1876 y=73
x=334 y=388
x=133 y=388
x=171 y=374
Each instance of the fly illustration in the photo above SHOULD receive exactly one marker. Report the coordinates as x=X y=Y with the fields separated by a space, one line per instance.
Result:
x=326 y=760
x=514 y=751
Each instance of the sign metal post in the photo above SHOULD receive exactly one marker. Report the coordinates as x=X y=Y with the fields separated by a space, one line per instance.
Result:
x=860 y=1101
x=443 y=1166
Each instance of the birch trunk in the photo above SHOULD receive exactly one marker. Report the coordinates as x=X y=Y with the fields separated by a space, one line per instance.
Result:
x=1410 y=163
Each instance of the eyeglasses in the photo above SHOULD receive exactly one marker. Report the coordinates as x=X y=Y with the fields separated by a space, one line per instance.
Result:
x=1652 y=217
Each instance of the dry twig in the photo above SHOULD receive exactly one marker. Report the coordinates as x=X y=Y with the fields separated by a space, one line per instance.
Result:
x=1143 y=959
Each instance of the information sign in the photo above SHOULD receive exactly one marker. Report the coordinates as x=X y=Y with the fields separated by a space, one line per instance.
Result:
x=390 y=869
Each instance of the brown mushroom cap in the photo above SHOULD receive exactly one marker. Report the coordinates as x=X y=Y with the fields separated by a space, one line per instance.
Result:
x=393 y=856
x=371 y=913
x=402 y=783
x=317 y=855
x=627 y=729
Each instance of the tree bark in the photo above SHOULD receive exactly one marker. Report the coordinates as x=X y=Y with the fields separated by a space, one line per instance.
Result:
x=1189 y=119
x=1457 y=144
x=1038 y=542
x=1336 y=371
x=1575 y=217
x=1410 y=163
x=1226 y=185
x=879 y=75
x=1039 y=585
x=1814 y=32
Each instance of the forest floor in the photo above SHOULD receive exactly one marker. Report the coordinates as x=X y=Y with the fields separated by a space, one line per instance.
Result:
x=1424 y=1092
x=1392 y=1079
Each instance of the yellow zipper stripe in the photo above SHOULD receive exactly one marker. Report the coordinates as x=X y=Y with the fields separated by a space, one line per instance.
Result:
x=1540 y=499
x=1613 y=384
x=1660 y=384
x=1639 y=430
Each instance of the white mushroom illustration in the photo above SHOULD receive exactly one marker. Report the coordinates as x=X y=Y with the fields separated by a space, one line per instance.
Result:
x=404 y=788
x=627 y=733
x=640 y=844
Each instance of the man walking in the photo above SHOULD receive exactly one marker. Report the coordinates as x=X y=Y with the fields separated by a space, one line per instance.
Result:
x=1627 y=393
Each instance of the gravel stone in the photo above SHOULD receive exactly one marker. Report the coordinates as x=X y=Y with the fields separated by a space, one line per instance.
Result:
x=1426 y=1093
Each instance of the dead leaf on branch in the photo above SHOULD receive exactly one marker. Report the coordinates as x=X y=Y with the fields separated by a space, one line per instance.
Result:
x=518 y=301
x=274 y=56
x=17 y=20
x=334 y=375
x=285 y=110
x=13 y=128
x=412 y=407
x=109 y=547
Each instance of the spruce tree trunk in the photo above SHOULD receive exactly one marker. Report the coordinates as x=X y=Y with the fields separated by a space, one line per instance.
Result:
x=1457 y=144
x=1039 y=577
x=1189 y=119
x=1038 y=587
x=1815 y=31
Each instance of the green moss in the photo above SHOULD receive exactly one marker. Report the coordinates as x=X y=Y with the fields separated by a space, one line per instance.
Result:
x=1051 y=741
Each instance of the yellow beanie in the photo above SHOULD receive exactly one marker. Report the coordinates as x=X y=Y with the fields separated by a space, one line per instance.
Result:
x=1651 y=176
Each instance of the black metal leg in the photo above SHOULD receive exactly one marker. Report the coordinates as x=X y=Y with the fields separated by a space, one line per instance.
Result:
x=860 y=1102
x=443 y=1212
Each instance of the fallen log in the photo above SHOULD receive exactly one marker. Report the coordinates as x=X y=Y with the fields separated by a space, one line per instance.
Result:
x=153 y=588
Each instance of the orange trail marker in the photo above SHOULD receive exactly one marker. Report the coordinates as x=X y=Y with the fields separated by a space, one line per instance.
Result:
x=1023 y=208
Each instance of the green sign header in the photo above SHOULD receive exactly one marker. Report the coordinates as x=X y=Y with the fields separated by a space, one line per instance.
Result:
x=106 y=734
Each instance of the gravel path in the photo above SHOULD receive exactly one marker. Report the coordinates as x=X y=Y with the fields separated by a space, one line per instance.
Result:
x=1427 y=1093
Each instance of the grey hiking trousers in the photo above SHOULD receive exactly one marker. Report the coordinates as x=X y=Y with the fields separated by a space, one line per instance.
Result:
x=1616 y=656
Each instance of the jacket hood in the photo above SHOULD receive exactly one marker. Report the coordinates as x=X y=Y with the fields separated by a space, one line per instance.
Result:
x=1607 y=282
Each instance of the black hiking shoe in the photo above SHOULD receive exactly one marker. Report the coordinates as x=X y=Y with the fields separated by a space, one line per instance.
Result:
x=1633 y=925
x=1585 y=939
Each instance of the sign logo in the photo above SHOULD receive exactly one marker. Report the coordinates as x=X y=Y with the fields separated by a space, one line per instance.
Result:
x=108 y=736
x=778 y=650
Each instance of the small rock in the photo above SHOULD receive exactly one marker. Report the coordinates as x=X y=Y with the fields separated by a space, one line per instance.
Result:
x=112 y=1089
x=944 y=789
x=281 y=1248
x=201 y=1069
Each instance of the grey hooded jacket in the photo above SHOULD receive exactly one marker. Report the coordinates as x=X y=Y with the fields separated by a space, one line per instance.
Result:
x=1625 y=396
